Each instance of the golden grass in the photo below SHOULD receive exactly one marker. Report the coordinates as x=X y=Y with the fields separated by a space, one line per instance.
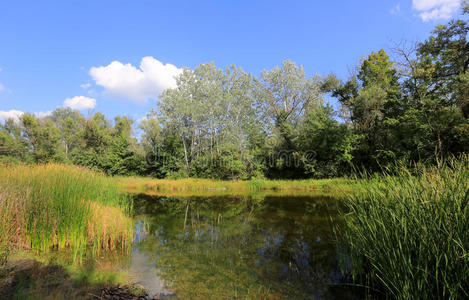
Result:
x=207 y=186
x=44 y=207
x=108 y=227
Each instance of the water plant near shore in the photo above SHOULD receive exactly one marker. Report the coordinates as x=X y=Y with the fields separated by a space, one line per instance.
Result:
x=43 y=207
x=407 y=235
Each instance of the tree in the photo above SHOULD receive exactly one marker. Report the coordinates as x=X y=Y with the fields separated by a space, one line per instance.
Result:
x=287 y=95
x=215 y=117
x=435 y=92
x=42 y=137
x=328 y=145
x=70 y=124
x=371 y=100
x=13 y=146
x=287 y=92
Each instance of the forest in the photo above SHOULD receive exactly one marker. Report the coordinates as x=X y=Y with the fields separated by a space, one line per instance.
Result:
x=405 y=106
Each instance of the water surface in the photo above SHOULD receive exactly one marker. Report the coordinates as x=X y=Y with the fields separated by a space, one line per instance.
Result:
x=251 y=246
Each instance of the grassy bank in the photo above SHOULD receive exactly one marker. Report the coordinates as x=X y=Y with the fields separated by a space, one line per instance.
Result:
x=46 y=207
x=407 y=235
x=142 y=184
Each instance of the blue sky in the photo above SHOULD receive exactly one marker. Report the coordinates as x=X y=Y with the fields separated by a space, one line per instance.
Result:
x=59 y=53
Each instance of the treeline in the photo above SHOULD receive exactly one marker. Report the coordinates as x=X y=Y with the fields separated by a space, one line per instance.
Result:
x=229 y=124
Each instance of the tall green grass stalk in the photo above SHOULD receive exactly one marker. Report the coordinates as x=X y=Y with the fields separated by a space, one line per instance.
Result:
x=56 y=206
x=407 y=234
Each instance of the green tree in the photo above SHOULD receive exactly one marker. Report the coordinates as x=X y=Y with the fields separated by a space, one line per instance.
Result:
x=436 y=90
x=70 y=124
x=287 y=95
x=13 y=146
x=371 y=101
x=328 y=145
x=43 y=138
x=216 y=118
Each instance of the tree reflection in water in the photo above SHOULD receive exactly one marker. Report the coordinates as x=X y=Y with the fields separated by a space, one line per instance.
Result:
x=271 y=247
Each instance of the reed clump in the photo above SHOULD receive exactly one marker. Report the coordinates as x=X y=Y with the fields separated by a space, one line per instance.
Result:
x=198 y=185
x=44 y=207
x=407 y=234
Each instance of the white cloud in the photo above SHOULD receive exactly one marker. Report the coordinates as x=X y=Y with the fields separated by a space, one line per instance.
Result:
x=137 y=84
x=11 y=114
x=80 y=102
x=42 y=114
x=436 y=9
x=16 y=114
x=85 y=86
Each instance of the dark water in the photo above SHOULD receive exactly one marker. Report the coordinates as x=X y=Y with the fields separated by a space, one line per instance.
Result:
x=239 y=247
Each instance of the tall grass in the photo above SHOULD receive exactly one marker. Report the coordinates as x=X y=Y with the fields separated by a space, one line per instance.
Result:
x=57 y=206
x=144 y=184
x=407 y=234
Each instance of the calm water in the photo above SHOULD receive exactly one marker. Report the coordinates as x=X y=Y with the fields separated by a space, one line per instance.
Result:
x=249 y=247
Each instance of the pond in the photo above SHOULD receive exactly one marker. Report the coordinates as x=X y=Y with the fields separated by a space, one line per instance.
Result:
x=245 y=246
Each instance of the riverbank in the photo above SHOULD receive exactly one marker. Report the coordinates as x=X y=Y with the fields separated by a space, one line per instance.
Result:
x=54 y=276
x=203 y=187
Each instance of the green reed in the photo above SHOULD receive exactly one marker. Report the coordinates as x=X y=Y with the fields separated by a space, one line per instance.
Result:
x=57 y=206
x=407 y=234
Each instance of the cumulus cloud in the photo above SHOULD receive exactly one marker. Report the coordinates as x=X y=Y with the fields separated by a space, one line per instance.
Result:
x=42 y=114
x=436 y=9
x=80 y=102
x=16 y=114
x=137 y=84
x=11 y=114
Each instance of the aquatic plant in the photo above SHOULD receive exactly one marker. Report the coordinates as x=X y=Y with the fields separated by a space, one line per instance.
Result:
x=43 y=207
x=407 y=234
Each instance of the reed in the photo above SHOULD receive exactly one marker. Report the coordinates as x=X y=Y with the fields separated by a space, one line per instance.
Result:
x=143 y=184
x=407 y=234
x=43 y=207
